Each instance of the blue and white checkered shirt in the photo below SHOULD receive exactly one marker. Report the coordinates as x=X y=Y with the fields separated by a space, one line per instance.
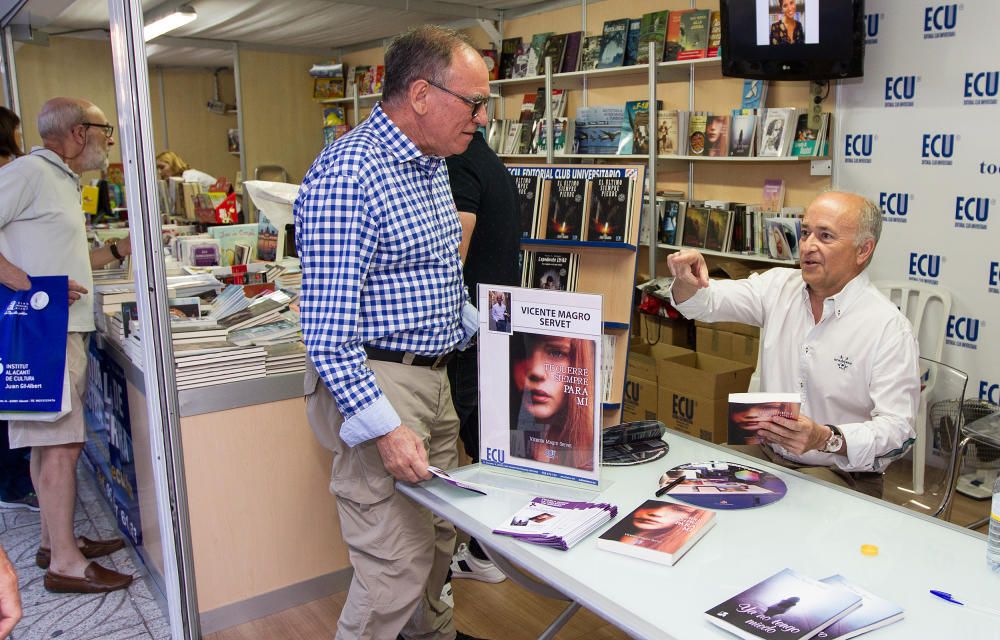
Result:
x=377 y=233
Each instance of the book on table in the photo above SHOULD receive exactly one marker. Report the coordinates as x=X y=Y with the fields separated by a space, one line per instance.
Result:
x=874 y=612
x=556 y=523
x=658 y=531
x=785 y=606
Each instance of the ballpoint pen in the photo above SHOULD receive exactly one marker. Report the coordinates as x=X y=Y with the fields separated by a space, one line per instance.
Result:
x=668 y=487
x=947 y=597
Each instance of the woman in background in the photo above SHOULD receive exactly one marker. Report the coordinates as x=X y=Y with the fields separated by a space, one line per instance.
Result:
x=171 y=165
x=10 y=136
x=786 y=29
x=552 y=386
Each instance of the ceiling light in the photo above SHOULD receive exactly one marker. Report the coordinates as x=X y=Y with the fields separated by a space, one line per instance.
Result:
x=178 y=18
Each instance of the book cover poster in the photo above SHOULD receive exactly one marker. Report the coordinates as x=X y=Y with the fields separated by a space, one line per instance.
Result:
x=609 y=208
x=724 y=485
x=539 y=399
x=784 y=606
x=567 y=200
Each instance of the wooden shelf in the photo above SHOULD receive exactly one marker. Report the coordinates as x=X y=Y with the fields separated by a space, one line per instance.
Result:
x=607 y=246
x=747 y=257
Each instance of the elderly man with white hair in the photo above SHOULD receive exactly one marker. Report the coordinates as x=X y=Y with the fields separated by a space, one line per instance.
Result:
x=42 y=233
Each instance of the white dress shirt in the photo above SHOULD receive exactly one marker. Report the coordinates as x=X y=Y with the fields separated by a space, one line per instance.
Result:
x=856 y=368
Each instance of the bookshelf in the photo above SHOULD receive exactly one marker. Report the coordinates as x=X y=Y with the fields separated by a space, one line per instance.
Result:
x=656 y=164
x=604 y=268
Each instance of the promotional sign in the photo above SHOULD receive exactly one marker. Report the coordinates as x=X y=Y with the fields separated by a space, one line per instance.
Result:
x=33 y=348
x=109 y=439
x=540 y=388
x=918 y=136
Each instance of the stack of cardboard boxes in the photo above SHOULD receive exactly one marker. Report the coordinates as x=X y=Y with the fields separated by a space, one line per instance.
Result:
x=691 y=387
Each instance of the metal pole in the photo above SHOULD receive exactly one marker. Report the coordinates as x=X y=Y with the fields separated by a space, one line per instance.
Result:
x=250 y=214
x=652 y=131
x=163 y=108
x=10 y=94
x=135 y=123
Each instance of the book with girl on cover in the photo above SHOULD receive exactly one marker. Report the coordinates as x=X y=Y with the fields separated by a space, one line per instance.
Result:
x=750 y=412
x=658 y=531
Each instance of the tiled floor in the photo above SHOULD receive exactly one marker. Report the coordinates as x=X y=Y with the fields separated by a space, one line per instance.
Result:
x=131 y=614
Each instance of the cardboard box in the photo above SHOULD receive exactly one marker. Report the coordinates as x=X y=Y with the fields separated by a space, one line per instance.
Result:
x=639 y=401
x=732 y=327
x=714 y=342
x=744 y=349
x=694 y=389
x=659 y=330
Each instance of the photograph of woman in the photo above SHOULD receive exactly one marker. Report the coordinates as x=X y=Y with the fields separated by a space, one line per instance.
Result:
x=786 y=27
x=552 y=399
x=661 y=526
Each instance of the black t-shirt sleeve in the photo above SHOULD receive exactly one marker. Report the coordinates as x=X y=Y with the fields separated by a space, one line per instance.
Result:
x=465 y=184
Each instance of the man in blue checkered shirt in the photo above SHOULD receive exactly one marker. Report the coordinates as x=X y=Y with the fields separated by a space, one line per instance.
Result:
x=383 y=306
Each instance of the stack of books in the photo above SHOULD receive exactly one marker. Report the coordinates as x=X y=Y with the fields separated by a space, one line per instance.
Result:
x=658 y=531
x=556 y=523
x=789 y=605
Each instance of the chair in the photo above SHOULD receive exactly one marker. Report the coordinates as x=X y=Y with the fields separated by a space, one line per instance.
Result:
x=984 y=430
x=944 y=415
x=927 y=307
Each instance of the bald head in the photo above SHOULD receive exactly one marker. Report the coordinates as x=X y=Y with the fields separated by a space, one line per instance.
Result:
x=864 y=213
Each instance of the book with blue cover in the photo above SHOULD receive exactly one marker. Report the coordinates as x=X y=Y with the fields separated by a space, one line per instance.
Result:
x=613 y=43
x=632 y=42
x=598 y=129
x=873 y=613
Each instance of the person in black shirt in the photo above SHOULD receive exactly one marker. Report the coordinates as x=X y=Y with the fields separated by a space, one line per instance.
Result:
x=486 y=199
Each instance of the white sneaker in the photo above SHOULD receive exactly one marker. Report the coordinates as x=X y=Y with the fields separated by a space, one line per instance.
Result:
x=447 y=595
x=466 y=565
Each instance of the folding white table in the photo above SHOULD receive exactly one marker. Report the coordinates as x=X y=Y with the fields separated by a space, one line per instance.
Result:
x=817 y=529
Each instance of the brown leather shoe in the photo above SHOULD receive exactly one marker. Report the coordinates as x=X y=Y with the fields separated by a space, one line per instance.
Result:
x=97 y=579
x=90 y=549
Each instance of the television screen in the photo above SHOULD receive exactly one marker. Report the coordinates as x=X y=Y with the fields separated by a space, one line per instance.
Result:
x=793 y=39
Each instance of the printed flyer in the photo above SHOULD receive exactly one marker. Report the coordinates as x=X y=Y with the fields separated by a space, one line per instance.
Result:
x=539 y=399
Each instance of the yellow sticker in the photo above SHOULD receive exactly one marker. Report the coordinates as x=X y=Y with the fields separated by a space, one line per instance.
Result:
x=869 y=550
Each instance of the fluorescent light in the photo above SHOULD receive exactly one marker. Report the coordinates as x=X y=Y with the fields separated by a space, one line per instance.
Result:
x=178 y=18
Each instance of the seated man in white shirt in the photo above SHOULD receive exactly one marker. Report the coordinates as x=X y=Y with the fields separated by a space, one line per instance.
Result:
x=828 y=335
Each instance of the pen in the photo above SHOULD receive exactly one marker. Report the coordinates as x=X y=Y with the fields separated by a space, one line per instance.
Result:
x=947 y=597
x=668 y=487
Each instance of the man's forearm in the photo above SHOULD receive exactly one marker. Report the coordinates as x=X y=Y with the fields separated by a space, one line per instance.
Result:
x=681 y=292
x=13 y=277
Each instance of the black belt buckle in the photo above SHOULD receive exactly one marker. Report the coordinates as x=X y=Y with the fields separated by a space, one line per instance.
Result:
x=441 y=361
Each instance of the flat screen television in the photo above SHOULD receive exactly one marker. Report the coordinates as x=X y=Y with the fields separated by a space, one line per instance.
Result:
x=793 y=39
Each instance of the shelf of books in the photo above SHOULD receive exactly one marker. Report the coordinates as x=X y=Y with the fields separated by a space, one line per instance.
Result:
x=665 y=71
x=579 y=232
x=751 y=257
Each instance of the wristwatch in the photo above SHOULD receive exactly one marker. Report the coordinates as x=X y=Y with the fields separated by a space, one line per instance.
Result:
x=113 y=247
x=835 y=442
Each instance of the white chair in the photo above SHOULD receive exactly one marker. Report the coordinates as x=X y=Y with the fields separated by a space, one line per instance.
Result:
x=927 y=307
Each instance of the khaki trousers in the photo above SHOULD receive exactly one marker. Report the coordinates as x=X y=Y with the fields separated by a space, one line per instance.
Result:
x=867 y=483
x=400 y=551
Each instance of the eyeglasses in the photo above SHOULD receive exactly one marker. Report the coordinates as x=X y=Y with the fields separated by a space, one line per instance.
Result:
x=108 y=129
x=476 y=103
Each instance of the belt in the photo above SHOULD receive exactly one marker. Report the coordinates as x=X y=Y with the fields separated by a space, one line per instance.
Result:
x=406 y=357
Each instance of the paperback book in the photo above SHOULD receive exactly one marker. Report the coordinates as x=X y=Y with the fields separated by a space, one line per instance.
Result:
x=874 y=612
x=536 y=52
x=590 y=55
x=741 y=135
x=782 y=236
x=610 y=209
x=719 y=227
x=658 y=531
x=697 y=124
x=652 y=29
x=750 y=412
x=785 y=606
x=598 y=129
x=556 y=523
x=613 y=41
x=667 y=132
x=567 y=200
x=571 y=57
x=553 y=271
x=528 y=199
x=635 y=128
x=717 y=136
x=694 y=231
x=555 y=48
x=632 y=42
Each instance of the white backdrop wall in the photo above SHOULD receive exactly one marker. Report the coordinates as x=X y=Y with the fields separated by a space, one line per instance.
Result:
x=919 y=134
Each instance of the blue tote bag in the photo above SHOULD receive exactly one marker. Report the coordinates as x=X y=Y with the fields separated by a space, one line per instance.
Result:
x=34 y=380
